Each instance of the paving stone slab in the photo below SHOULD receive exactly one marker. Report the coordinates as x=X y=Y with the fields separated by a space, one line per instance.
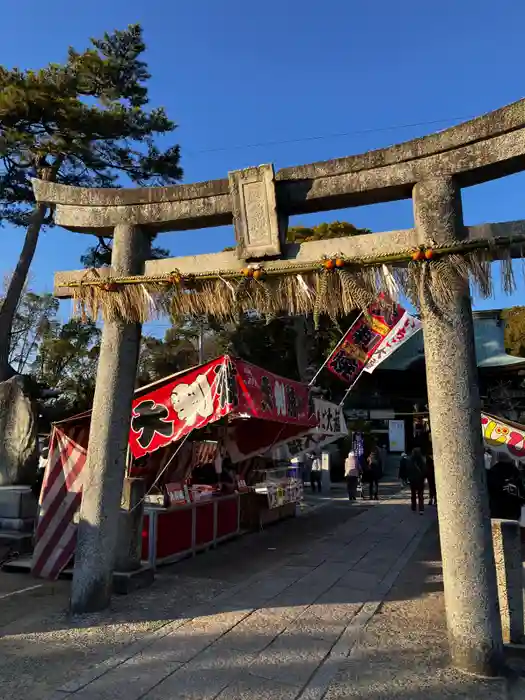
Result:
x=254 y=688
x=204 y=677
x=297 y=596
x=188 y=640
x=343 y=595
x=255 y=632
x=291 y=658
x=328 y=628
x=360 y=580
x=132 y=679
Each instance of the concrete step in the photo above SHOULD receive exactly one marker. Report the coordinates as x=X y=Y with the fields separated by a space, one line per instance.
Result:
x=124 y=582
x=21 y=542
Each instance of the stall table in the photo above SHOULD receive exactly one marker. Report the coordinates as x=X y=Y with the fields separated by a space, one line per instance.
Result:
x=270 y=502
x=169 y=534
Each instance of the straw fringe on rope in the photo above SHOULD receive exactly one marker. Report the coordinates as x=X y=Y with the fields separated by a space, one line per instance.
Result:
x=334 y=286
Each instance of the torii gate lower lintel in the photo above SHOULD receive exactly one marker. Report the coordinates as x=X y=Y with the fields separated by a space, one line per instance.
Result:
x=432 y=171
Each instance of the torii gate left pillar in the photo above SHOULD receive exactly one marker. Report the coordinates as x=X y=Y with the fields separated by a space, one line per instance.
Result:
x=108 y=439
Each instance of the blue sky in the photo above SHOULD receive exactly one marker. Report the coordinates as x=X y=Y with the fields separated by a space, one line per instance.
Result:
x=255 y=82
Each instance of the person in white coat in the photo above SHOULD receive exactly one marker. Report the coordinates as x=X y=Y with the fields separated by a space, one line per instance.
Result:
x=352 y=475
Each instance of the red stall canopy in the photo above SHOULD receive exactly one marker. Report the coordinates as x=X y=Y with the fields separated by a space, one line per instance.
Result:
x=263 y=409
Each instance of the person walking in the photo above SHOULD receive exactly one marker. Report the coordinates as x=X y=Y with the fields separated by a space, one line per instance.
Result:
x=416 y=472
x=373 y=473
x=403 y=469
x=431 y=479
x=506 y=489
x=352 y=475
x=316 y=480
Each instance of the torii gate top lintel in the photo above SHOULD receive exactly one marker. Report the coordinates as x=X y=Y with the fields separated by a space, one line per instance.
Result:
x=475 y=151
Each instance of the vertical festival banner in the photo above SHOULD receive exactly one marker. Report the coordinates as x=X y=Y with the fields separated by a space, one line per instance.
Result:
x=406 y=327
x=361 y=341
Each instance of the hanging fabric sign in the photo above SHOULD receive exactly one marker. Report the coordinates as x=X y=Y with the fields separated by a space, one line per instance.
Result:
x=361 y=341
x=406 y=327
x=503 y=436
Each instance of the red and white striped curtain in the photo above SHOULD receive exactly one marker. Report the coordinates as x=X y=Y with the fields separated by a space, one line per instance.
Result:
x=60 y=500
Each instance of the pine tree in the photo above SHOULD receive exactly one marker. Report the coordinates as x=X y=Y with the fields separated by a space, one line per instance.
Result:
x=84 y=122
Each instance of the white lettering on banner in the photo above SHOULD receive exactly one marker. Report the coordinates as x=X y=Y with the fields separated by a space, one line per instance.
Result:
x=280 y=398
x=193 y=400
x=406 y=327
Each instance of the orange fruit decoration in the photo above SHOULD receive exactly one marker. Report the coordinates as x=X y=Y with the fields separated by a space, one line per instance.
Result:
x=418 y=255
x=329 y=264
x=429 y=253
x=340 y=262
x=259 y=274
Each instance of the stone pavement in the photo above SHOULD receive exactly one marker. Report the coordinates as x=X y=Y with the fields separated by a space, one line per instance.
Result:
x=285 y=633
x=343 y=602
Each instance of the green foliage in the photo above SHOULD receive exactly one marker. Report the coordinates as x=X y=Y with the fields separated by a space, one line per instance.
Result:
x=269 y=345
x=100 y=255
x=274 y=345
x=160 y=358
x=33 y=320
x=177 y=351
x=56 y=356
x=84 y=122
x=320 y=232
x=66 y=360
x=88 y=117
x=515 y=330
x=324 y=231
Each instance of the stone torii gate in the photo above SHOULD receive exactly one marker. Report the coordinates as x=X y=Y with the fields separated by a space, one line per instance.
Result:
x=430 y=170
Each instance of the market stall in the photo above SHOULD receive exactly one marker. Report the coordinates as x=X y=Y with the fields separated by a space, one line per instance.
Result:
x=240 y=411
x=194 y=440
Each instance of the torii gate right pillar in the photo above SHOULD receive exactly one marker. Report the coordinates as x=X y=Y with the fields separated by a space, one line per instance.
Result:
x=473 y=619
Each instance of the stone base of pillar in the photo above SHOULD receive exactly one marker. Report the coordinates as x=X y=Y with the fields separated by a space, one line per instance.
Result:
x=506 y=537
x=129 y=539
x=125 y=582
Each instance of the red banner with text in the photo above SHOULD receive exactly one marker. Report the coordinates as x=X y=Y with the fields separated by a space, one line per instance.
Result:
x=172 y=410
x=271 y=397
x=361 y=341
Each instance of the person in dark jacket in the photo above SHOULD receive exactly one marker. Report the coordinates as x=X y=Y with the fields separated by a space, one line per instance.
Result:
x=403 y=474
x=373 y=472
x=431 y=478
x=416 y=472
x=506 y=489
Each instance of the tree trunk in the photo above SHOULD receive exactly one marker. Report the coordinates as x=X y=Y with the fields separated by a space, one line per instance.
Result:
x=303 y=327
x=16 y=287
x=301 y=350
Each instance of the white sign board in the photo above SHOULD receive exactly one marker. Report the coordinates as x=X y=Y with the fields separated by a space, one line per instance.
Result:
x=396 y=435
x=331 y=427
x=330 y=418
